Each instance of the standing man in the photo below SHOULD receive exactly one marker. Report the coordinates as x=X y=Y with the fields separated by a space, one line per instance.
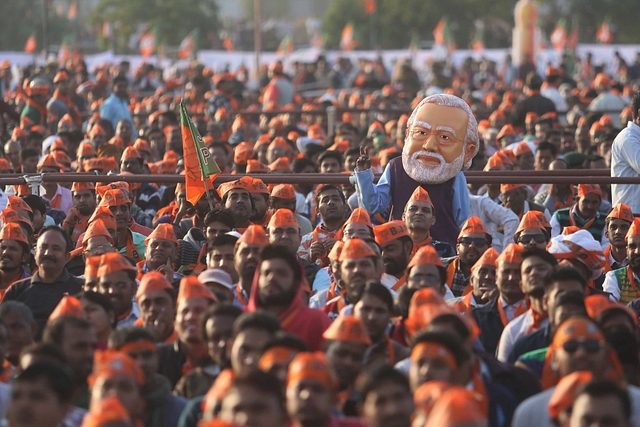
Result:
x=625 y=159
x=116 y=106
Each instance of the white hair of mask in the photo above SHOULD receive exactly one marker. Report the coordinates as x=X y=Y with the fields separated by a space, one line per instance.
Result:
x=446 y=100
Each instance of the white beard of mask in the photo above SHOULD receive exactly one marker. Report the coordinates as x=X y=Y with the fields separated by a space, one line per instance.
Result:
x=430 y=174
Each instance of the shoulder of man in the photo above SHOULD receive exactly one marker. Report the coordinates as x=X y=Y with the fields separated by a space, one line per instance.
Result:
x=449 y=260
x=16 y=289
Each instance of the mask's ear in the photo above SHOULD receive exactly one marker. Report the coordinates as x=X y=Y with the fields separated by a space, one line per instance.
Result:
x=470 y=152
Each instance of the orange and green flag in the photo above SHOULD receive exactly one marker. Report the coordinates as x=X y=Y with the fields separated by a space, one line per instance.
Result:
x=198 y=162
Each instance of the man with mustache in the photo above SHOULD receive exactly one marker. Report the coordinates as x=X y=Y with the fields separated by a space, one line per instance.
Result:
x=146 y=196
x=161 y=254
x=441 y=140
x=278 y=288
x=617 y=224
x=623 y=284
x=84 y=203
x=514 y=197
x=156 y=300
x=43 y=291
x=56 y=195
x=396 y=246
x=236 y=197
x=472 y=241
x=117 y=280
x=129 y=242
x=584 y=214
x=482 y=282
x=15 y=252
x=493 y=317
x=246 y=258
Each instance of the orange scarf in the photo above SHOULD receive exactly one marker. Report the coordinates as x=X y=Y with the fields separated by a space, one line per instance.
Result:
x=559 y=205
x=572 y=220
x=464 y=306
x=80 y=227
x=537 y=320
x=418 y=245
x=132 y=251
x=42 y=109
x=451 y=271
x=400 y=283
x=240 y=295
x=55 y=202
x=520 y=309
x=73 y=111
x=332 y=293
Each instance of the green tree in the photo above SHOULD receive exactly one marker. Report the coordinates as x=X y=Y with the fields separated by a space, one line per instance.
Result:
x=171 y=19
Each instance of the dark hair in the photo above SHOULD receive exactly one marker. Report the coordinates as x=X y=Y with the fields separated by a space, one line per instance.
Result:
x=380 y=291
x=122 y=336
x=8 y=307
x=604 y=388
x=452 y=322
x=329 y=187
x=119 y=79
x=312 y=149
x=330 y=154
x=223 y=240
x=102 y=300
x=451 y=341
x=35 y=203
x=57 y=229
x=281 y=252
x=54 y=330
x=221 y=309
x=379 y=375
x=561 y=273
x=533 y=81
x=298 y=165
x=263 y=382
x=635 y=105
x=403 y=299
x=27 y=153
x=623 y=342
x=540 y=253
x=573 y=298
x=259 y=319
x=219 y=144
x=58 y=378
x=346 y=128
x=224 y=216
x=351 y=151
x=45 y=351
x=283 y=339
x=545 y=145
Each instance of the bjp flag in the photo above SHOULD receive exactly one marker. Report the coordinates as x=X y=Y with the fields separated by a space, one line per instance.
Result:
x=31 y=44
x=198 y=162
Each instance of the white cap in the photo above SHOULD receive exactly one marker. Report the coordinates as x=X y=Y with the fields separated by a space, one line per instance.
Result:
x=216 y=275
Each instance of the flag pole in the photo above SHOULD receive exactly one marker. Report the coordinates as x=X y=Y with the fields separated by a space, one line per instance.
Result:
x=206 y=191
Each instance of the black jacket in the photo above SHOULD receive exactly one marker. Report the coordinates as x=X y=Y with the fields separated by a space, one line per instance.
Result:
x=488 y=319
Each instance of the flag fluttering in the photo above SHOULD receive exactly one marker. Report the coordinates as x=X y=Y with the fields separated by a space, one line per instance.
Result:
x=31 y=44
x=443 y=36
x=107 y=30
x=147 y=44
x=198 y=162
x=73 y=10
x=370 y=6
x=347 y=41
x=228 y=44
x=604 y=34
x=286 y=45
x=558 y=36
x=188 y=45
x=63 y=54
x=572 y=42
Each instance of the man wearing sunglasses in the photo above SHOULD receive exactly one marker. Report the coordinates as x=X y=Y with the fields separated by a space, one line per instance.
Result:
x=561 y=280
x=493 y=317
x=473 y=241
x=531 y=233
x=536 y=264
x=617 y=224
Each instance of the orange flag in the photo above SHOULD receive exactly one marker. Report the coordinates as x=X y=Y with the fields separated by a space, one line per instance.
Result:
x=31 y=44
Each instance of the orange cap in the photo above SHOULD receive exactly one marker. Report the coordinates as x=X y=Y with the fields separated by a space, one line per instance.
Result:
x=275 y=355
x=113 y=262
x=347 y=328
x=389 y=231
x=359 y=216
x=315 y=132
x=283 y=218
x=596 y=127
x=107 y=217
x=281 y=164
x=312 y=366
x=531 y=117
x=530 y=220
x=279 y=142
x=354 y=249
x=621 y=211
x=493 y=163
x=564 y=393
x=258 y=186
x=13 y=231
x=142 y=146
x=114 y=198
x=18 y=204
x=602 y=80
x=85 y=150
x=5 y=165
x=284 y=191
x=543 y=219
x=576 y=328
x=130 y=153
x=584 y=189
x=243 y=183
x=91 y=266
x=162 y=232
x=489 y=257
x=48 y=161
x=597 y=304
x=96 y=228
x=426 y=255
x=434 y=350
x=67 y=307
x=472 y=225
x=191 y=287
x=634 y=230
x=421 y=195
x=119 y=185
x=429 y=393
x=522 y=148
x=110 y=363
x=8 y=216
x=423 y=297
x=505 y=188
x=243 y=153
x=82 y=186
x=512 y=254
x=97 y=130
x=254 y=235
x=507 y=130
x=458 y=406
x=152 y=281
x=336 y=250
x=254 y=166
x=107 y=411
x=101 y=164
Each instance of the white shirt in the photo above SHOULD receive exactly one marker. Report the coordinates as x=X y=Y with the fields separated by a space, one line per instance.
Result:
x=556 y=229
x=515 y=329
x=625 y=161
x=510 y=310
x=131 y=318
x=610 y=104
x=611 y=286
x=493 y=217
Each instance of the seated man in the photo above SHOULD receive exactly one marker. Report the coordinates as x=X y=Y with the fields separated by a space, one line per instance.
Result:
x=419 y=215
x=584 y=214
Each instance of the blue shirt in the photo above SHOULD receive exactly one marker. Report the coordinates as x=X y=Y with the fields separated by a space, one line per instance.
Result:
x=115 y=109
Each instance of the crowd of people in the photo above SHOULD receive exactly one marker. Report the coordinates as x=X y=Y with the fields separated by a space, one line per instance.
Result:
x=282 y=305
